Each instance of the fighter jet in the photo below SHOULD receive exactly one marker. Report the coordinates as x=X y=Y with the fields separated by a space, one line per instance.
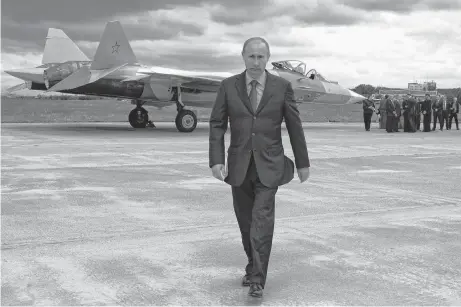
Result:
x=116 y=72
x=312 y=87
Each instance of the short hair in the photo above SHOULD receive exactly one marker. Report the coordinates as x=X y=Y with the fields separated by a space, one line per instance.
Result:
x=256 y=38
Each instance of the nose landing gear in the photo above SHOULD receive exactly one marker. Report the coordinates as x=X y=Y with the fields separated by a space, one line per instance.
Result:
x=186 y=120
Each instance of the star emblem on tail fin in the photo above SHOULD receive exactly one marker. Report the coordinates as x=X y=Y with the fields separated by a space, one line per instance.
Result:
x=115 y=47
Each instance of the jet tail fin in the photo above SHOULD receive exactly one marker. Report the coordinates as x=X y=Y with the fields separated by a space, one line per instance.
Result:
x=114 y=48
x=60 y=48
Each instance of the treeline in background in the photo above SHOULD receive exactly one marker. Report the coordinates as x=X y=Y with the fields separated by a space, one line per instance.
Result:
x=367 y=90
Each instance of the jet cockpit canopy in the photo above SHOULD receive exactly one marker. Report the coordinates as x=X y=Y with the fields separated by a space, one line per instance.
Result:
x=300 y=68
x=291 y=65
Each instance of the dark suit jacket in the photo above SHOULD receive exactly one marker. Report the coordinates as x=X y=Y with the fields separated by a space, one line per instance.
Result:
x=257 y=133
x=390 y=108
x=418 y=107
x=437 y=105
x=366 y=106
x=455 y=106
x=426 y=106
x=398 y=108
x=445 y=111
x=408 y=106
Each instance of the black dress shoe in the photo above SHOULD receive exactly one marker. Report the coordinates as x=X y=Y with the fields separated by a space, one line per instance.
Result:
x=246 y=280
x=256 y=290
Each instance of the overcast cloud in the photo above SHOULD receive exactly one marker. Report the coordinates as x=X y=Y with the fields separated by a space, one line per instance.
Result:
x=387 y=43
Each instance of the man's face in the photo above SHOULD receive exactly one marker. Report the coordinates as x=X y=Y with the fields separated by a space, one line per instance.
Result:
x=255 y=57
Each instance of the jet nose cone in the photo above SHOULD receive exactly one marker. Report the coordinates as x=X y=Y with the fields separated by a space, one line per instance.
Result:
x=355 y=98
x=28 y=74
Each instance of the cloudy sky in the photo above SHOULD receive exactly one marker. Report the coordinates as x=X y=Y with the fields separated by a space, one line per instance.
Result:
x=378 y=42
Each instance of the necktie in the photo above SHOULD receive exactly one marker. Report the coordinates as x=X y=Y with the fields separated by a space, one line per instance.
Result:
x=444 y=105
x=254 y=95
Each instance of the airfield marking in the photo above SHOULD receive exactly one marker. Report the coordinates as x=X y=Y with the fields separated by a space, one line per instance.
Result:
x=379 y=171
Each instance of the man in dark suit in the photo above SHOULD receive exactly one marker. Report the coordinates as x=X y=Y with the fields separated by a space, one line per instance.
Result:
x=383 y=112
x=445 y=106
x=426 y=110
x=454 y=110
x=408 y=107
x=398 y=111
x=418 y=115
x=390 y=113
x=437 y=112
x=255 y=103
x=368 y=109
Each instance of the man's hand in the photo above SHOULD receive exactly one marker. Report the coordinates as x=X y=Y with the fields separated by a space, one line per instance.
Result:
x=219 y=171
x=303 y=174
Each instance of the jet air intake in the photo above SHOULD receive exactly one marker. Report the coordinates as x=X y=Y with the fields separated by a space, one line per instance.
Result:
x=57 y=73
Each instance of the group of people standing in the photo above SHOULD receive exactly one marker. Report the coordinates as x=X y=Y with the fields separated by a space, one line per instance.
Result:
x=441 y=108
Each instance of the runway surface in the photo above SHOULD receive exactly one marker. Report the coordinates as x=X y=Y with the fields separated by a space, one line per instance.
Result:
x=103 y=214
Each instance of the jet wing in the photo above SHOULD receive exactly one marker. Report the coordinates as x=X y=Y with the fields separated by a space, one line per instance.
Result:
x=135 y=78
x=194 y=82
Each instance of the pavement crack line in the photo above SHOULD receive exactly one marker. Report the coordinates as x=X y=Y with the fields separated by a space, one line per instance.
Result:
x=363 y=214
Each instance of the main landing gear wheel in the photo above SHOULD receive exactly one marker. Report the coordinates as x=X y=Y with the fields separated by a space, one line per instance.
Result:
x=138 y=118
x=186 y=121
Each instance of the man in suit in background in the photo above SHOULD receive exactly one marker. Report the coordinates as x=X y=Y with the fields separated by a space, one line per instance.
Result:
x=408 y=107
x=255 y=103
x=418 y=114
x=445 y=113
x=390 y=113
x=398 y=111
x=426 y=110
x=368 y=109
x=454 y=110
x=437 y=111
x=383 y=112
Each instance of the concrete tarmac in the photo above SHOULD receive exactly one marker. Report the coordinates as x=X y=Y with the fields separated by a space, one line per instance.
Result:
x=103 y=214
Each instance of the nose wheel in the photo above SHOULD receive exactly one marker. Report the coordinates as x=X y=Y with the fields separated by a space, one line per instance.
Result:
x=186 y=121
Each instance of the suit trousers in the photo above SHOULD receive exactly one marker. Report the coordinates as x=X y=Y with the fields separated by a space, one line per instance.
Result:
x=418 y=121
x=254 y=206
x=427 y=122
x=406 y=122
x=383 y=120
x=396 y=123
x=450 y=120
x=390 y=123
x=437 y=116
x=367 y=119
x=444 y=119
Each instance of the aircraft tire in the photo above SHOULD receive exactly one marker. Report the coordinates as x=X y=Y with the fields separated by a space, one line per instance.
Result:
x=134 y=120
x=186 y=121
